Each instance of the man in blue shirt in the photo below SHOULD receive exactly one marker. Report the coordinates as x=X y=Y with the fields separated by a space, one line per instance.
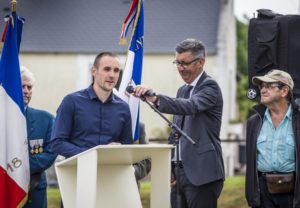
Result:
x=272 y=175
x=95 y=115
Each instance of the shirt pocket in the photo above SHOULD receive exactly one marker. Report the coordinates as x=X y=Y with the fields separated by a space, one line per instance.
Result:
x=290 y=147
x=262 y=144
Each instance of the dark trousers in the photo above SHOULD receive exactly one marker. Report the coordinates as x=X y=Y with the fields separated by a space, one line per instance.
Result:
x=36 y=199
x=204 y=196
x=269 y=200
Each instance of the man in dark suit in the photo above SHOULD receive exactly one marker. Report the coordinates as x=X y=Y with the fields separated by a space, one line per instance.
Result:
x=197 y=110
x=39 y=127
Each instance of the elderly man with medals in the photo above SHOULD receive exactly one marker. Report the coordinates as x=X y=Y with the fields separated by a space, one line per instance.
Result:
x=39 y=127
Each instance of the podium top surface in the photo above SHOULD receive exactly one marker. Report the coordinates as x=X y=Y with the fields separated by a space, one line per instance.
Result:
x=120 y=154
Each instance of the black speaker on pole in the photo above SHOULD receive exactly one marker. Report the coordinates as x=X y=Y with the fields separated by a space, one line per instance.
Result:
x=273 y=43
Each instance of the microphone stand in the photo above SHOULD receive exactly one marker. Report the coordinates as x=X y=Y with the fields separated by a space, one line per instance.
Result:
x=178 y=133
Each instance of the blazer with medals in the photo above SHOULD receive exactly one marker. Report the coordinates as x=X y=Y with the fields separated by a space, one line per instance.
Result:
x=39 y=127
x=202 y=115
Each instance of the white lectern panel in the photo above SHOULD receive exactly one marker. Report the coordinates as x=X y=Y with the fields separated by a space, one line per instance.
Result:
x=104 y=177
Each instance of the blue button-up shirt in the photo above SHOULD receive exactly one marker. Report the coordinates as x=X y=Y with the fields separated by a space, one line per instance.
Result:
x=275 y=146
x=83 y=122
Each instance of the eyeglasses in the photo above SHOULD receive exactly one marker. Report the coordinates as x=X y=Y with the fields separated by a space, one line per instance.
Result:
x=184 y=64
x=269 y=86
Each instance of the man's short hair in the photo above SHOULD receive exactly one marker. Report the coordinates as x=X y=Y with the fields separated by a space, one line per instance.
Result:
x=100 y=55
x=196 y=47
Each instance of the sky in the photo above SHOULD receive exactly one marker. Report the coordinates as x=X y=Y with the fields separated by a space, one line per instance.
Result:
x=249 y=7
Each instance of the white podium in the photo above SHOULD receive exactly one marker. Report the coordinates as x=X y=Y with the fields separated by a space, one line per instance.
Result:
x=104 y=177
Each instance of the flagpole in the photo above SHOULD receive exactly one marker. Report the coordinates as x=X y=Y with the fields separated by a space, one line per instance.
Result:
x=13 y=4
x=15 y=167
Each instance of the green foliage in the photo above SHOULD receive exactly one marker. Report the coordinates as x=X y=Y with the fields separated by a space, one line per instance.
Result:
x=53 y=197
x=242 y=47
x=232 y=196
x=145 y=194
x=244 y=103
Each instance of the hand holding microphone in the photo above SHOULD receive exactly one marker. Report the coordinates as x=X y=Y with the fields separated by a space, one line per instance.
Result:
x=142 y=92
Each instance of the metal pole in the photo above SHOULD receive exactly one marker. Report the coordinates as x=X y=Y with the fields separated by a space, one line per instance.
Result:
x=13 y=4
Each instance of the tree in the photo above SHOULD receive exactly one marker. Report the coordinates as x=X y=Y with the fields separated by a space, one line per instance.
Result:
x=244 y=103
x=242 y=49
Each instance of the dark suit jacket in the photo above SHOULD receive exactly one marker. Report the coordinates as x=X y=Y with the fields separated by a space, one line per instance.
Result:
x=202 y=162
x=39 y=127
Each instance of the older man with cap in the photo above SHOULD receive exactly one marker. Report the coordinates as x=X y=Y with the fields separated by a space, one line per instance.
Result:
x=272 y=176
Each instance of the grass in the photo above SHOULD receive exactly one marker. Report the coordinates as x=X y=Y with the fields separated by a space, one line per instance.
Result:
x=233 y=194
x=53 y=197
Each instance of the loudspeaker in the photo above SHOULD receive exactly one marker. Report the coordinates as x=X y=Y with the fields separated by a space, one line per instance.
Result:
x=273 y=43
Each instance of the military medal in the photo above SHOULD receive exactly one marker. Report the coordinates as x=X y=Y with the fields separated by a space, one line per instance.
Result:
x=36 y=146
x=36 y=149
x=40 y=143
x=32 y=146
x=40 y=149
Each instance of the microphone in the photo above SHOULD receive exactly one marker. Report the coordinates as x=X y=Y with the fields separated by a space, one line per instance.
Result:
x=149 y=93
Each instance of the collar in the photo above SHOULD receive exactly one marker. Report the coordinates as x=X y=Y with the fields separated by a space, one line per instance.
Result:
x=92 y=94
x=193 y=84
x=288 y=114
x=260 y=109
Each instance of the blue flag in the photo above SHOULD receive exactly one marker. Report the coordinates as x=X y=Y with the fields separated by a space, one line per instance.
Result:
x=134 y=64
x=14 y=158
x=10 y=77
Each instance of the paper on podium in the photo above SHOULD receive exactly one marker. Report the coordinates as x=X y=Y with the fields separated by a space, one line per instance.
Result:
x=104 y=177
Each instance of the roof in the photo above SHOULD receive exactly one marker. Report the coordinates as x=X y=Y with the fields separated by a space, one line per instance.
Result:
x=95 y=25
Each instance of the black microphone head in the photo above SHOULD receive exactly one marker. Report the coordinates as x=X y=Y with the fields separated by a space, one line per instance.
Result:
x=129 y=89
x=150 y=93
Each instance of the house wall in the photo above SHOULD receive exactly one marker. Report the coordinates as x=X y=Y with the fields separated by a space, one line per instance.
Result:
x=56 y=75
x=225 y=67
x=225 y=73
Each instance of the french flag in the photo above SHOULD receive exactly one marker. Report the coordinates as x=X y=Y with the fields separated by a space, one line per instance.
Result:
x=14 y=158
x=134 y=64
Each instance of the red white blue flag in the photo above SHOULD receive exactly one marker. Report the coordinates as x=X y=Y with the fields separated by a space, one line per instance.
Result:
x=14 y=158
x=134 y=64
